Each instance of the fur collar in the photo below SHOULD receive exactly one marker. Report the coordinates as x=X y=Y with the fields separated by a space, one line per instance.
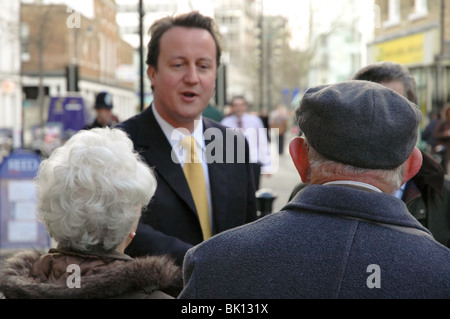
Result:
x=117 y=279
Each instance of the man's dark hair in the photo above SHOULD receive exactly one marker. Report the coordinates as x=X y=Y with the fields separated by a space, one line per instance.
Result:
x=389 y=71
x=189 y=20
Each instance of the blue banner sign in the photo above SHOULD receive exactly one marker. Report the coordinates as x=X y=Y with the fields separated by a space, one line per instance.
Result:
x=70 y=111
x=19 y=226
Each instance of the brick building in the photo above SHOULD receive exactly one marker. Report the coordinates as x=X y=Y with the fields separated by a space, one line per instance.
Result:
x=10 y=88
x=68 y=52
x=416 y=33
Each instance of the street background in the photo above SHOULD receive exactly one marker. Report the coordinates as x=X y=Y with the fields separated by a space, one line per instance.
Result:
x=284 y=180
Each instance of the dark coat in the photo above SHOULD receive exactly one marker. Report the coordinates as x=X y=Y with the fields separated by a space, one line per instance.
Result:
x=170 y=224
x=427 y=196
x=326 y=243
x=31 y=275
x=96 y=123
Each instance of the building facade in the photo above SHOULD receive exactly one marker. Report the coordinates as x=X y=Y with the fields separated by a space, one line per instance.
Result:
x=416 y=33
x=337 y=35
x=66 y=53
x=10 y=85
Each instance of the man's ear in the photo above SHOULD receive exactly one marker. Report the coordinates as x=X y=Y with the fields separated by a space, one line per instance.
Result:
x=151 y=72
x=412 y=165
x=299 y=153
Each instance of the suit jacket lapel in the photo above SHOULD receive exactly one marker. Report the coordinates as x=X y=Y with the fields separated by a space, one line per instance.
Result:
x=157 y=152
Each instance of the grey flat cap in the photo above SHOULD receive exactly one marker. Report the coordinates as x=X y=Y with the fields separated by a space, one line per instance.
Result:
x=359 y=123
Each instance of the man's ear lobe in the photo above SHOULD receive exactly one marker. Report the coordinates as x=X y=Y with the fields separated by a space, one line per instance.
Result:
x=151 y=73
x=413 y=165
x=299 y=153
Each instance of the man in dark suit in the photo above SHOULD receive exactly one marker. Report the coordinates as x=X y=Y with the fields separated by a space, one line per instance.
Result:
x=183 y=57
x=344 y=235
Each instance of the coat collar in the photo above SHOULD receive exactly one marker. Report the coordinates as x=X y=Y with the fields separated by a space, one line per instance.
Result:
x=30 y=274
x=115 y=255
x=347 y=202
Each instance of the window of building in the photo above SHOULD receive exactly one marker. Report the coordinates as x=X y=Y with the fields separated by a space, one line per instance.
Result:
x=420 y=10
x=393 y=14
x=25 y=42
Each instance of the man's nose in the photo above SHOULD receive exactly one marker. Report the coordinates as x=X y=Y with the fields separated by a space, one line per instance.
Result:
x=191 y=75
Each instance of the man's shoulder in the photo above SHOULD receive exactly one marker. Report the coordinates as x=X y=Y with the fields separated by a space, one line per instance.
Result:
x=212 y=123
x=222 y=126
x=136 y=123
x=228 y=120
x=131 y=120
x=253 y=118
x=248 y=235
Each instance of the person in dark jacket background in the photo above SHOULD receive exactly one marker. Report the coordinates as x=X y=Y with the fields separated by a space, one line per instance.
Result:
x=442 y=136
x=344 y=235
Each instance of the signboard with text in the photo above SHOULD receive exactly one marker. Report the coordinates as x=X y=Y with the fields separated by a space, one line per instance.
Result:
x=414 y=49
x=19 y=226
x=69 y=111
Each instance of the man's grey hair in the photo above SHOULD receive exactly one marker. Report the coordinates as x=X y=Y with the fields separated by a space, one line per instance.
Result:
x=329 y=168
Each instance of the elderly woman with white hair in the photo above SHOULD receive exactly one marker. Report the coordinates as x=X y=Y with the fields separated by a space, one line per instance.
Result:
x=91 y=192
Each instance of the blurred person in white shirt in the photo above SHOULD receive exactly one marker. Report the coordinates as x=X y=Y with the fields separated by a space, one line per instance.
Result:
x=256 y=135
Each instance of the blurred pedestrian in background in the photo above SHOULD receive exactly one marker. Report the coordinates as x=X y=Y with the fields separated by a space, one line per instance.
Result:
x=183 y=57
x=344 y=235
x=442 y=136
x=427 y=194
x=258 y=143
x=212 y=113
x=103 y=110
x=265 y=120
x=278 y=121
x=90 y=194
x=428 y=135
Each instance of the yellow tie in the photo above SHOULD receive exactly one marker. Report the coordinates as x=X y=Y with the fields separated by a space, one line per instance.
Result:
x=193 y=171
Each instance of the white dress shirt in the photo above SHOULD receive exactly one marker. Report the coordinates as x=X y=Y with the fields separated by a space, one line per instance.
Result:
x=354 y=183
x=256 y=136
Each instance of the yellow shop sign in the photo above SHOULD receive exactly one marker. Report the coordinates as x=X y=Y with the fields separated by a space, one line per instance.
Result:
x=406 y=50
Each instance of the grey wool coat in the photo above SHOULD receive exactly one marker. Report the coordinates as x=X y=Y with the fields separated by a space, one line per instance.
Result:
x=328 y=242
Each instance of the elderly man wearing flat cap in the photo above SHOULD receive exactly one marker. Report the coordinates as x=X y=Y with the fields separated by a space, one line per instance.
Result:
x=345 y=235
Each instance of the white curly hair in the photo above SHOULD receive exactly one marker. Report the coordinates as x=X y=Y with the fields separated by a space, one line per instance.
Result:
x=91 y=190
